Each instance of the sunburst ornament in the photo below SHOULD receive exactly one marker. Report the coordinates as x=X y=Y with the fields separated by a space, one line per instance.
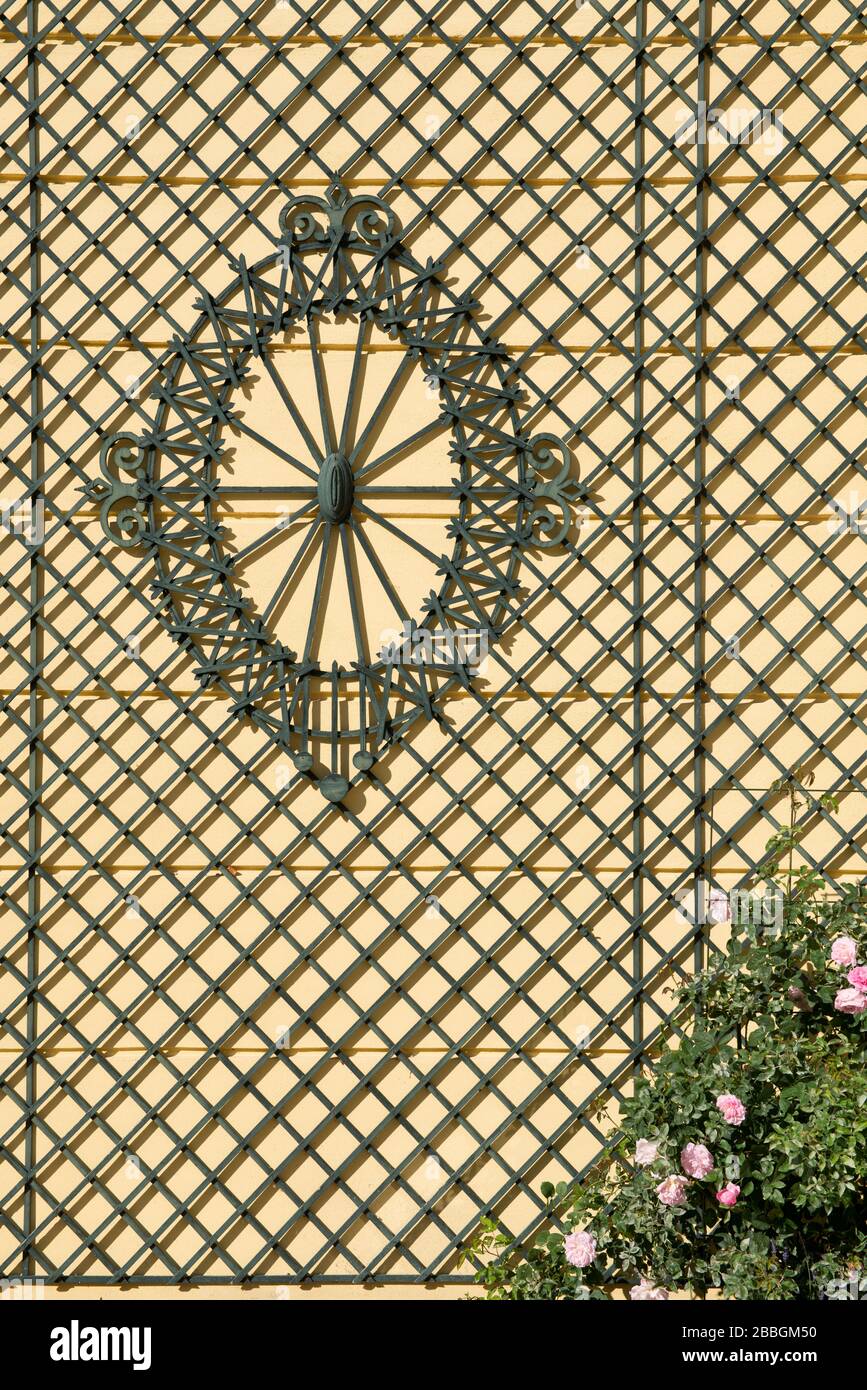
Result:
x=338 y=257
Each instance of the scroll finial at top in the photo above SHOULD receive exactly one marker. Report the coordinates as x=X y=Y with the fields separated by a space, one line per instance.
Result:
x=307 y=219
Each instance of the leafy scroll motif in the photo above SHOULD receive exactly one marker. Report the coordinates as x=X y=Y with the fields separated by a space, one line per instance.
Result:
x=337 y=218
x=551 y=516
x=121 y=504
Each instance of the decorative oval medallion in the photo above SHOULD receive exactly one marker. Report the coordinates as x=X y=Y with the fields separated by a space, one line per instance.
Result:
x=335 y=488
x=340 y=256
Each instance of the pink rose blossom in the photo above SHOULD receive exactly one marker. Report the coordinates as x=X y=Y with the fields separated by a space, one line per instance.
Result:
x=858 y=978
x=718 y=906
x=728 y=1195
x=844 y=951
x=646 y=1151
x=696 y=1160
x=733 y=1110
x=580 y=1249
x=850 y=1001
x=672 y=1191
x=646 y=1292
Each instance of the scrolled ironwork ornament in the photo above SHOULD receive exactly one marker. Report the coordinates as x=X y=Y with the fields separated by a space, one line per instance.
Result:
x=337 y=218
x=338 y=255
x=121 y=504
x=544 y=453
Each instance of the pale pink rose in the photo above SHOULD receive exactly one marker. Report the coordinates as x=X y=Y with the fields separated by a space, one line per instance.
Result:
x=728 y=1195
x=719 y=909
x=646 y=1292
x=858 y=977
x=646 y=1151
x=672 y=1191
x=732 y=1110
x=580 y=1249
x=844 y=951
x=850 y=1001
x=696 y=1160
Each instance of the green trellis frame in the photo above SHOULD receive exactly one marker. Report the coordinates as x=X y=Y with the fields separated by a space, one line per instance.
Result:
x=31 y=1211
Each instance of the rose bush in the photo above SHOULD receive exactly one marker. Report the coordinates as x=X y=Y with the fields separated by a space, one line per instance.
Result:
x=741 y=1161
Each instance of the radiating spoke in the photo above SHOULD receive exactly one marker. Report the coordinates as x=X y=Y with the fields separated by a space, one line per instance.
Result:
x=376 y=566
x=281 y=526
x=401 y=535
x=321 y=390
x=297 y=417
x=263 y=490
x=412 y=490
x=317 y=593
x=357 y=364
x=507 y=493
x=274 y=448
x=353 y=597
x=431 y=428
x=290 y=573
x=380 y=411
